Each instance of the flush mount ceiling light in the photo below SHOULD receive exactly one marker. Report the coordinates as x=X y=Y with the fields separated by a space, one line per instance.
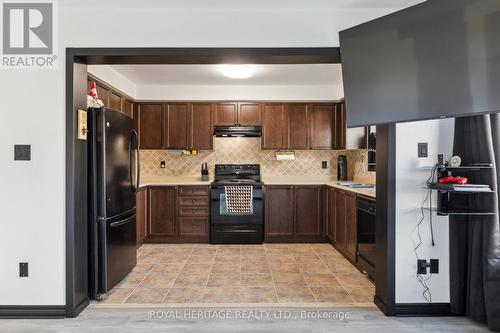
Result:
x=237 y=71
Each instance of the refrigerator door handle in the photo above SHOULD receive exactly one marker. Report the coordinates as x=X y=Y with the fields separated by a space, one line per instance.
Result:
x=120 y=223
x=135 y=179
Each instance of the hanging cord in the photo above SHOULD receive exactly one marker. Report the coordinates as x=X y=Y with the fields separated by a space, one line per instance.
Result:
x=427 y=200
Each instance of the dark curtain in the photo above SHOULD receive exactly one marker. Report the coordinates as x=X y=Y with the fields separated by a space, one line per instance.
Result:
x=475 y=239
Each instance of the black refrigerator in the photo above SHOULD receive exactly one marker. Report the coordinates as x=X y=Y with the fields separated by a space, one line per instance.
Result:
x=114 y=180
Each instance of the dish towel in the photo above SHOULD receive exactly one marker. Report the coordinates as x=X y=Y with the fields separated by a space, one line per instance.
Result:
x=239 y=199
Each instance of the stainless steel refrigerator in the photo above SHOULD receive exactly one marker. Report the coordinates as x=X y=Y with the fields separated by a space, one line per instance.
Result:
x=114 y=180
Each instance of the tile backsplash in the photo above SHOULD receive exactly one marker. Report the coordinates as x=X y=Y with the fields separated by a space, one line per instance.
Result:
x=247 y=150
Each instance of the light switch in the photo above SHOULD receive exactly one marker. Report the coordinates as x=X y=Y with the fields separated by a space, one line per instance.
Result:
x=423 y=149
x=82 y=128
x=22 y=152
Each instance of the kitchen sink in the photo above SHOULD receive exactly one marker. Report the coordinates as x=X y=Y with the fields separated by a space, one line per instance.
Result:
x=356 y=185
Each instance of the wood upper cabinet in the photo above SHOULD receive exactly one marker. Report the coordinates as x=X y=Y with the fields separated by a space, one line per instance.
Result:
x=201 y=126
x=150 y=124
x=340 y=219
x=226 y=114
x=297 y=121
x=249 y=114
x=115 y=101
x=141 y=214
x=162 y=211
x=308 y=211
x=103 y=94
x=322 y=126
x=279 y=211
x=340 y=126
x=351 y=226
x=176 y=124
x=274 y=129
x=128 y=108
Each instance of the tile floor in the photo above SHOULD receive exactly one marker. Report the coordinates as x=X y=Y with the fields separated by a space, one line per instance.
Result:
x=268 y=273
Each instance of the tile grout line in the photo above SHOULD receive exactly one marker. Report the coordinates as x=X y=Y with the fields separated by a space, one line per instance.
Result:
x=134 y=289
x=178 y=273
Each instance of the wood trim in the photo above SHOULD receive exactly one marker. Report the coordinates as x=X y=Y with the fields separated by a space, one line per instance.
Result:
x=33 y=311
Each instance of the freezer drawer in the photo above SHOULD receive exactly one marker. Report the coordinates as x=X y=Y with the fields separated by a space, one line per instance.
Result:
x=119 y=255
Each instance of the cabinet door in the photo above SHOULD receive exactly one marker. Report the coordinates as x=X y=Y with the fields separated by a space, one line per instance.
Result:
x=279 y=211
x=150 y=125
x=226 y=114
x=176 y=125
x=321 y=126
x=115 y=101
x=103 y=94
x=340 y=222
x=128 y=108
x=308 y=216
x=330 y=226
x=142 y=214
x=351 y=226
x=273 y=126
x=201 y=137
x=249 y=114
x=340 y=126
x=162 y=211
x=297 y=126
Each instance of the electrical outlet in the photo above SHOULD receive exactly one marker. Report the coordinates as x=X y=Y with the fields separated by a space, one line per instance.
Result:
x=423 y=149
x=324 y=164
x=162 y=164
x=23 y=269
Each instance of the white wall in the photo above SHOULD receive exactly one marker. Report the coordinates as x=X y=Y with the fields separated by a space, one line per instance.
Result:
x=32 y=112
x=241 y=92
x=109 y=75
x=411 y=174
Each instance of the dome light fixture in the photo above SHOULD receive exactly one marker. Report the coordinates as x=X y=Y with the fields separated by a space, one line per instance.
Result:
x=237 y=71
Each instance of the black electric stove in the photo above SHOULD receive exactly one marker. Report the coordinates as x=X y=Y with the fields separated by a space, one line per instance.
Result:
x=242 y=228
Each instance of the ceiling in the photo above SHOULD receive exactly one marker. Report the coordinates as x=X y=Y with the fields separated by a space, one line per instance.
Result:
x=186 y=75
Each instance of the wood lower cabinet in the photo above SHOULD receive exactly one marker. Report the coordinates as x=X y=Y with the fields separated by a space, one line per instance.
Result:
x=294 y=213
x=279 y=212
x=178 y=214
x=150 y=124
x=162 y=212
x=141 y=204
x=330 y=213
x=308 y=211
x=342 y=222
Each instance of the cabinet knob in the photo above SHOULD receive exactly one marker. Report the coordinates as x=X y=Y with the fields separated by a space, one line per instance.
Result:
x=194 y=200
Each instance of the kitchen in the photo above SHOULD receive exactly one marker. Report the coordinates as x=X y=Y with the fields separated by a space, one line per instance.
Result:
x=293 y=238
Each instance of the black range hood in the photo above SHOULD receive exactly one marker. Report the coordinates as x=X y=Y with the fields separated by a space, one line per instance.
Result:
x=237 y=131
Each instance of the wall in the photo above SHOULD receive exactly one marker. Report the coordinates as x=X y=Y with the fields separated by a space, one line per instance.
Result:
x=411 y=174
x=247 y=150
x=33 y=193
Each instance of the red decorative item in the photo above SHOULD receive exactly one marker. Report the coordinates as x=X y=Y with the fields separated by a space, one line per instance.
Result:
x=453 y=180
x=93 y=90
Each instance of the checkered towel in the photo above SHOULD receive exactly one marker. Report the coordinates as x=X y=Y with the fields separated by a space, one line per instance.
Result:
x=239 y=199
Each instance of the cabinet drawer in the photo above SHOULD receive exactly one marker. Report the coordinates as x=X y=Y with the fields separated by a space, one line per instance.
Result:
x=193 y=190
x=193 y=226
x=193 y=200
x=193 y=211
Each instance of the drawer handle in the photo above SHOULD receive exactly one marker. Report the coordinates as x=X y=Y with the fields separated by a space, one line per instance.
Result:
x=194 y=200
x=194 y=210
x=194 y=226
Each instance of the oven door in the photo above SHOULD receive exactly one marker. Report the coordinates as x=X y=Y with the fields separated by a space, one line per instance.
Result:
x=219 y=218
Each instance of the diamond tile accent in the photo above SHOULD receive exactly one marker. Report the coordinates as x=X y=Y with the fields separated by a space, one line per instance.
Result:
x=248 y=150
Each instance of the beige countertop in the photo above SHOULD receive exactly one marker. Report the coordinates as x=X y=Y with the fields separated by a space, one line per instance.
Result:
x=195 y=180
x=173 y=180
x=329 y=181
